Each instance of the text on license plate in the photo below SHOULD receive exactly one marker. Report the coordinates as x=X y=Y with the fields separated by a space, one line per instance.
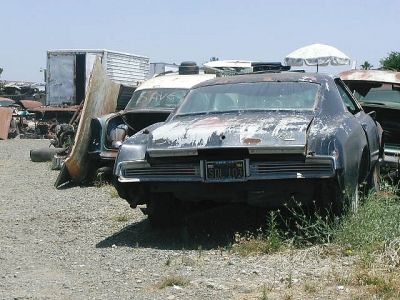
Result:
x=225 y=170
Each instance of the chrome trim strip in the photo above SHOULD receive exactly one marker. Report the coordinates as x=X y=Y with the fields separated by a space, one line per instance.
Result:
x=288 y=149
x=172 y=152
x=279 y=149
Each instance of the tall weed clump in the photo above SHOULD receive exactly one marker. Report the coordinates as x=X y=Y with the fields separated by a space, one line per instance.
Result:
x=375 y=225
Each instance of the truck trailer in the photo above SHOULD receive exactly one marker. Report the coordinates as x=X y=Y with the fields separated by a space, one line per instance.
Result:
x=68 y=72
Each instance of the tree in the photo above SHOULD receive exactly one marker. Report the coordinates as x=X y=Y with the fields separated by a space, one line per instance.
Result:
x=214 y=58
x=366 y=66
x=1 y=71
x=392 y=62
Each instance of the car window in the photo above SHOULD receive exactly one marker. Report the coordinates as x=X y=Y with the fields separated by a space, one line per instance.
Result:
x=385 y=93
x=347 y=99
x=156 y=98
x=251 y=96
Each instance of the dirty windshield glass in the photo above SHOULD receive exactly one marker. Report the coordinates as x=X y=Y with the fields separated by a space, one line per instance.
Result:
x=386 y=93
x=251 y=96
x=156 y=98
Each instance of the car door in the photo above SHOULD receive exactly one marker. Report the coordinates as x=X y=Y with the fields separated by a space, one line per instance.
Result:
x=369 y=125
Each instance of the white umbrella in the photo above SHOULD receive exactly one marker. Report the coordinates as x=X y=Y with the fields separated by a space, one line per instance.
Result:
x=317 y=55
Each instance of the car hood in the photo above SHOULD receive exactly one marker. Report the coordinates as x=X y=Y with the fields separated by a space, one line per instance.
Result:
x=267 y=132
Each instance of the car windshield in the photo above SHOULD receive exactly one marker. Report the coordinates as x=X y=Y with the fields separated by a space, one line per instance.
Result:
x=156 y=98
x=385 y=93
x=251 y=96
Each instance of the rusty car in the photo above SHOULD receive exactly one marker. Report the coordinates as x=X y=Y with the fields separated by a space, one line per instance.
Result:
x=262 y=139
x=378 y=92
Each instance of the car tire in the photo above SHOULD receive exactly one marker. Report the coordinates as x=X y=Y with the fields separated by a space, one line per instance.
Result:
x=163 y=210
x=44 y=154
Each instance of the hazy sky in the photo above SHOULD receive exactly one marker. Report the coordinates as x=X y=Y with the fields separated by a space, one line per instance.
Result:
x=174 y=31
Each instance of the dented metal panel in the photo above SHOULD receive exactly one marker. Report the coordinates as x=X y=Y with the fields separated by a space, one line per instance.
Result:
x=101 y=99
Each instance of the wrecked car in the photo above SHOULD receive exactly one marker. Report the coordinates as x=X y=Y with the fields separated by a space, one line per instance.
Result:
x=378 y=92
x=261 y=139
x=151 y=102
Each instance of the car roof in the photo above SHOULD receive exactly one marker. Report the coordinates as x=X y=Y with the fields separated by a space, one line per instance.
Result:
x=175 y=81
x=268 y=76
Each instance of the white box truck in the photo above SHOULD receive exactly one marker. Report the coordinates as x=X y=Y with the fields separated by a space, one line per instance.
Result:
x=68 y=72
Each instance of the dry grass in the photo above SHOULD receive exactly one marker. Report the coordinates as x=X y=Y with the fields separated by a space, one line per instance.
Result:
x=121 y=218
x=372 y=283
x=310 y=288
x=172 y=280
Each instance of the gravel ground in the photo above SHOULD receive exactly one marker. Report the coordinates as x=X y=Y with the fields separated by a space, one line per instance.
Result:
x=85 y=242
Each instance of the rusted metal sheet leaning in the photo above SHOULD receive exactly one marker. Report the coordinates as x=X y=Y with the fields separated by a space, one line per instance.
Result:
x=5 y=119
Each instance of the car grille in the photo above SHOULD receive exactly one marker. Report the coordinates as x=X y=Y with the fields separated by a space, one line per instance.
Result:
x=297 y=169
x=257 y=171
x=164 y=172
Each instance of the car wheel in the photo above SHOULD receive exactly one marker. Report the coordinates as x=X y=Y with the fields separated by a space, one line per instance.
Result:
x=163 y=210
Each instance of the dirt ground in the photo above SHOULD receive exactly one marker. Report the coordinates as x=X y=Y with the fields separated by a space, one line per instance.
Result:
x=85 y=242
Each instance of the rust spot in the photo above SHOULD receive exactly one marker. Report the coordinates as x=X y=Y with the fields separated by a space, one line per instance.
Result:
x=267 y=78
x=207 y=122
x=251 y=141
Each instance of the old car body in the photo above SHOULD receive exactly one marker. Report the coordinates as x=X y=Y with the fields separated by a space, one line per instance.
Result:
x=151 y=102
x=263 y=139
x=379 y=91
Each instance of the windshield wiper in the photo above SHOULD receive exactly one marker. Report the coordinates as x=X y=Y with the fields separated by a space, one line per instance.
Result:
x=192 y=114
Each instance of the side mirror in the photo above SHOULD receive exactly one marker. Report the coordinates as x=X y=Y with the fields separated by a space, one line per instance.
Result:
x=372 y=114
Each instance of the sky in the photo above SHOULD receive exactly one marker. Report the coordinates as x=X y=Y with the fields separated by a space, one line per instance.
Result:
x=176 y=30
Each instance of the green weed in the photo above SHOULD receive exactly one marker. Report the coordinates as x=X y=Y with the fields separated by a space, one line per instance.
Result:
x=373 y=227
x=263 y=241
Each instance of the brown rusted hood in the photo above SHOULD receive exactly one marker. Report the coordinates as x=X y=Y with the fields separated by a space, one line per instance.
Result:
x=29 y=104
x=269 y=131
